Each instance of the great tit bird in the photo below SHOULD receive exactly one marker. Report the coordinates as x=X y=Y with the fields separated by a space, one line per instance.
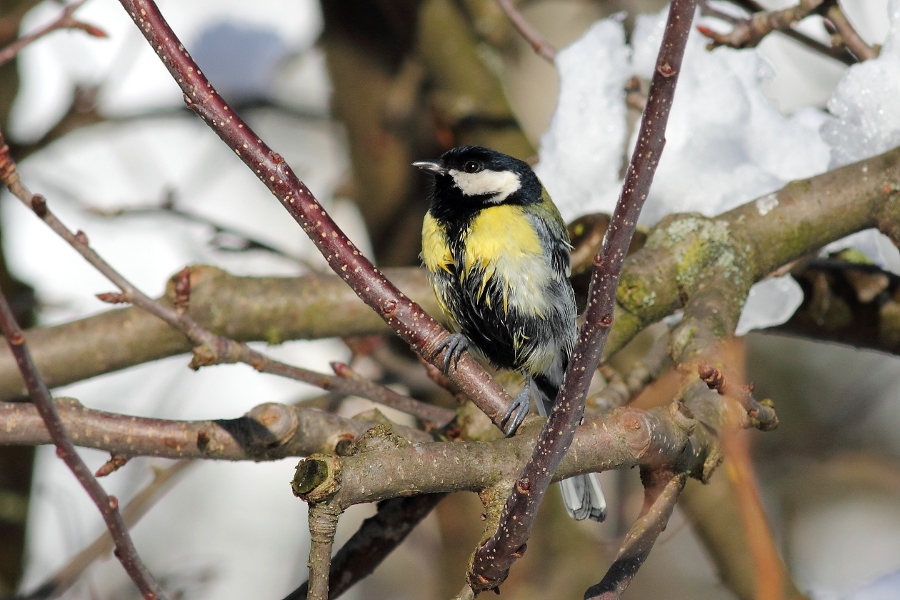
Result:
x=498 y=255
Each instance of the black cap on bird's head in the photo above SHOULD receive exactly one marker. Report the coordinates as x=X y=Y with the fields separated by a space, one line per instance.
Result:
x=477 y=177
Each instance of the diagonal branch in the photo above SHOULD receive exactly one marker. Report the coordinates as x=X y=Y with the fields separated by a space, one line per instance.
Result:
x=136 y=508
x=661 y=490
x=494 y=558
x=406 y=317
x=65 y=449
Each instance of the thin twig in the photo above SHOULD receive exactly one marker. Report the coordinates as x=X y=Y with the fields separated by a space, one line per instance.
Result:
x=63 y=21
x=209 y=348
x=57 y=585
x=322 y=527
x=407 y=318
x=495 y=556
x=537 y=42
x=168 y=206
x=620 y=390
x=848 y=34
x=65 y=449
x=762 y=414
x=385 y=395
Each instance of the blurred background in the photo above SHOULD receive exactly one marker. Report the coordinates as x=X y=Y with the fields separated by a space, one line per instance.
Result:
x=350 y=94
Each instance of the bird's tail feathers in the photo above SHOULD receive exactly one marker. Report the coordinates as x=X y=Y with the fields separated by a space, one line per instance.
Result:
x=583 y=497
x=581 y=494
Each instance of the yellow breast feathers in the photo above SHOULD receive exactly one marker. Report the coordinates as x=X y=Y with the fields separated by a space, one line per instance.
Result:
x=502 y=245
x=500 y=234
x=435 y=251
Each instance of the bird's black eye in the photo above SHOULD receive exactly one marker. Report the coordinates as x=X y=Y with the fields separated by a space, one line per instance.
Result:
x=472 y=166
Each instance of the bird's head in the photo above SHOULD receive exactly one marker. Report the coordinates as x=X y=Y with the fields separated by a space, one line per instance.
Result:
x=470 y=178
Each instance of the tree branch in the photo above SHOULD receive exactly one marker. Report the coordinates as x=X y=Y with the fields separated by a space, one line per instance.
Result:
x=270 y=309
x=407 y=318
x=542 y=47
x=661 y=490
x=496 y=555
x=376 y=538
x=267 y=432
x=60 y=582
x=65 y=449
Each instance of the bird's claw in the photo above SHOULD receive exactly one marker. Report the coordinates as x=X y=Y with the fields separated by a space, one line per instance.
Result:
x=454 y=344
x=516 y=412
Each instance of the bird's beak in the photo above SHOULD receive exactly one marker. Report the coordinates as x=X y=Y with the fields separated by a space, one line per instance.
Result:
x=431 y=166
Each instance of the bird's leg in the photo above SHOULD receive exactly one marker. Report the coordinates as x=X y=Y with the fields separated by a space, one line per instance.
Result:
x=454 y=344
x=518 y=409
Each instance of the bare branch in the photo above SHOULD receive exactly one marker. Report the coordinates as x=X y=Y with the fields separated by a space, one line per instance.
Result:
x=541 y=46
x=839 y=54
x=749 y=32
x=376 y=538
x=270 y=309
x=494 y=557
x=103 y=545
x=65 y=449
x=661 y=490
x=848 y=34
x=407 y=318
x=267 y=432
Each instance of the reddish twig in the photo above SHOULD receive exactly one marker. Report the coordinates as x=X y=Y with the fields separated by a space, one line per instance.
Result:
x=65 y=449
x=661 y=490
x=209 y=348
x=762 y=414
x=407 y=318
x=495 y=556
x=385 y=395
x=537 y=42
x=63 y=579
x=115 y=462
x=63 y=21
x=375 y=539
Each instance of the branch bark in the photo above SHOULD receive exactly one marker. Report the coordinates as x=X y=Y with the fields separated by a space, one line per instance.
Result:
x=496 y=555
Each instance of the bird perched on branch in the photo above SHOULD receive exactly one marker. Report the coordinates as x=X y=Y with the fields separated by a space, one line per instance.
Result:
x=498 y=255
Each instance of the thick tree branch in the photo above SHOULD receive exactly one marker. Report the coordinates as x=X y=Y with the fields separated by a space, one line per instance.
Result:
x=268 y=432
x=751 y=241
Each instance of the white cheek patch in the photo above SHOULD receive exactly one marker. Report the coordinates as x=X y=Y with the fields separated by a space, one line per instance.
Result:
x=496 y=184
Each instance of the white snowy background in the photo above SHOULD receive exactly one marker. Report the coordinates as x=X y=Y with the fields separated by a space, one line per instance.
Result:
x=744 y=123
